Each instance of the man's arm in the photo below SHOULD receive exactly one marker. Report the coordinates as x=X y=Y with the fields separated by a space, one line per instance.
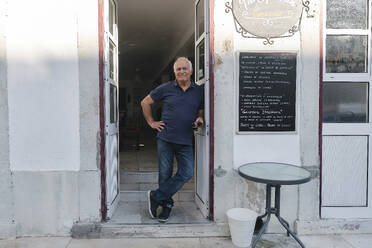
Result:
x=147 y=113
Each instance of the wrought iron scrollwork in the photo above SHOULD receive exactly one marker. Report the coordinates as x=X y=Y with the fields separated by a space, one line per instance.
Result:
x=268 y=40
x=307 y=8
x=228 y=7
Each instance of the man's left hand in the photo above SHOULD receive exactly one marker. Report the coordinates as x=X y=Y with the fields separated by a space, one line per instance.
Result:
x=199 y=122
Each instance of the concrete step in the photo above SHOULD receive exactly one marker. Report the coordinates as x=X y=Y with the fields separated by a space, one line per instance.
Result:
x=141 y=196
x=109 y=230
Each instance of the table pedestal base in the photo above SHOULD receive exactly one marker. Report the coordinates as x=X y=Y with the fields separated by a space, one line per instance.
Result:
x=274 y=210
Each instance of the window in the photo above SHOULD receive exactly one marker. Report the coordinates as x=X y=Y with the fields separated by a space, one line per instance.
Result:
x=112 y=17
x=113 y=104
x=346 y=67
x=200 y=43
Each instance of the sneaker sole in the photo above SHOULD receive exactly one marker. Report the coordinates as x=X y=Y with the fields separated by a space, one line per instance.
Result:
x=149 y=204
x=162 y=220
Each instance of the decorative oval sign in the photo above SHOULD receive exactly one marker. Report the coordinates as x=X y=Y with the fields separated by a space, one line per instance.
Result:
x=267 y=18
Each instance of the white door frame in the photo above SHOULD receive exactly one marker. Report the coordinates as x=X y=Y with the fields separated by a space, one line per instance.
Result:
x=348 y=129
x=202 y=136
x=111 y=92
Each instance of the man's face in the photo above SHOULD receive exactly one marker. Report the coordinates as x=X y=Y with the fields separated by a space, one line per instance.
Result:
x=182 y=70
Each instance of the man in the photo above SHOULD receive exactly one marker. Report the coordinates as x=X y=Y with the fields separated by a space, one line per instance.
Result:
x=183 y=102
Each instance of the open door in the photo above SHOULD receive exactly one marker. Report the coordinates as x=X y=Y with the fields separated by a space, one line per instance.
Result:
x=111 y=105
x=202 y=78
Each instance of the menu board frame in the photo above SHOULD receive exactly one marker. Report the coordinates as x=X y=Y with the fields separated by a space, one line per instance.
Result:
x=237 y=92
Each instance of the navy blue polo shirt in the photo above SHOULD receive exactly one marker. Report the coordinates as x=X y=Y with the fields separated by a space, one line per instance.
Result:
x=180 y=110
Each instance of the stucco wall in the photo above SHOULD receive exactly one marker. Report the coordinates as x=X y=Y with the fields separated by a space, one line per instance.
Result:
x=49 y=146
x=43 y=85
x=7 y=227
x=232 y=149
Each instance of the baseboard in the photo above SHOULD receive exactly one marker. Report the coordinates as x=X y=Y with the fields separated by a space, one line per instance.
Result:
x=8 y=231
x=334 y=226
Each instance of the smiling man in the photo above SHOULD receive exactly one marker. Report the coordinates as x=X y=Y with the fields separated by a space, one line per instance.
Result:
x=183 y=103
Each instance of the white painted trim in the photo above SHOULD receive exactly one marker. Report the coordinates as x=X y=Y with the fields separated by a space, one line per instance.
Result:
x=347 y=31
x=203 y=205
x=111 y=129
x=350 y=129
x=113 y=206
x=199 y=202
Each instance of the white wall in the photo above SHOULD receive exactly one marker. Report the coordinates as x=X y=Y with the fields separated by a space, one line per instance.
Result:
x=273 y=146
x=43 y=85
x=232 y=149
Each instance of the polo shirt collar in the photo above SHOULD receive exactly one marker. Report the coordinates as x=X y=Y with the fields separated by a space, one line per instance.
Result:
x=192 y=85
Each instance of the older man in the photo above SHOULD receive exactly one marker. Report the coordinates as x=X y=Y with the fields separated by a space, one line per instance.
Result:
x=183 y=102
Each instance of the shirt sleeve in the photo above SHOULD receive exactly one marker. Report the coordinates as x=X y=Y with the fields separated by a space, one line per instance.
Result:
x=157 y=93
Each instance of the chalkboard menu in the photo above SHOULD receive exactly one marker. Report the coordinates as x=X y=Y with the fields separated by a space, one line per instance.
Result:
x=267 y=92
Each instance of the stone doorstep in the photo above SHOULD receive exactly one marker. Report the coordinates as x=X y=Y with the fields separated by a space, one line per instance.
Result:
x=131 y=196
x=109 y=230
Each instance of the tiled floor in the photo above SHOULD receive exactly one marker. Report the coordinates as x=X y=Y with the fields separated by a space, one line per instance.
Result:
x=142 y=159
x=139 y=173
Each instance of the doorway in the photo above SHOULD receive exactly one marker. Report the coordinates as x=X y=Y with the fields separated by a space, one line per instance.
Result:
x=143 y=39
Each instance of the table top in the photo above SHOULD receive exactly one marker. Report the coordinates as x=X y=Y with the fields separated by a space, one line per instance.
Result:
x=274 y=173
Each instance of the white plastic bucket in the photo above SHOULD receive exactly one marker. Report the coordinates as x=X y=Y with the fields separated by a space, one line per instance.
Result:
x=241 y=223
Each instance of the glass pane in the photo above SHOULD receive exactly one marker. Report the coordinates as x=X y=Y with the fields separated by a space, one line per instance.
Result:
x=345 y=102
x=200 y=19
x=112 y=61
x=347 y=14
x=200 y=73
x=346 y=53
x=113 y=104
x=112 y=16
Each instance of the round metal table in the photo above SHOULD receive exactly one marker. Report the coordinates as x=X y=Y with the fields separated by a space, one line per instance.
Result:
x=274 y=175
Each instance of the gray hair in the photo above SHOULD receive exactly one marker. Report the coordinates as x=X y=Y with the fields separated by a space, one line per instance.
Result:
x=182 y=58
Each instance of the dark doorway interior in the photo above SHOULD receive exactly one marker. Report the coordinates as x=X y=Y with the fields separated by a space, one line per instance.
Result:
x=151 y=35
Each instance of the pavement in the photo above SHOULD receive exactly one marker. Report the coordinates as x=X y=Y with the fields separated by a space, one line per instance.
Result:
x=268 y=241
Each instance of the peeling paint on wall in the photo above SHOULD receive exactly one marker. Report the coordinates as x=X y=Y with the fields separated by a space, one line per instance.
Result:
x=255 y=195
x=227 y=45
x=218 y=60
x=220 y=172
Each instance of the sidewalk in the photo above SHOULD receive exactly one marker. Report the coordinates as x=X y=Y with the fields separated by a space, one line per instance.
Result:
x=269 y=241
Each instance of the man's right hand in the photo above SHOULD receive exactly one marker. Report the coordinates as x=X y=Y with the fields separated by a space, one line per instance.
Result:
x=158 y=125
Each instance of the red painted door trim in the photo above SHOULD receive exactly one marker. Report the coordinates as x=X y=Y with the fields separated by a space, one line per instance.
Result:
x=211 y=110
x=320 y=104
x=102 y=110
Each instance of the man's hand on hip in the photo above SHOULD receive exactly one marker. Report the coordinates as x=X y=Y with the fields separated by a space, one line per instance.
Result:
x=158 y=125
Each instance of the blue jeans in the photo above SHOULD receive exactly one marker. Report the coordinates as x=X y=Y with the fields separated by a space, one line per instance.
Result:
x=168 y=184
